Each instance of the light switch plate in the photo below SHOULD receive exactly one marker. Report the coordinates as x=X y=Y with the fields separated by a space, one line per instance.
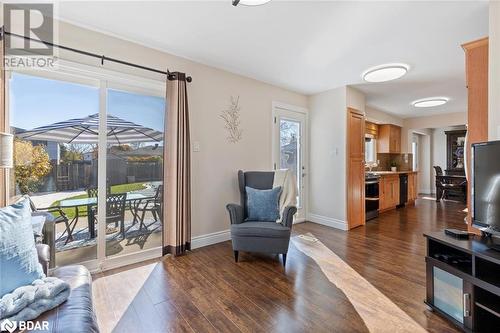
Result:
x=196 y=146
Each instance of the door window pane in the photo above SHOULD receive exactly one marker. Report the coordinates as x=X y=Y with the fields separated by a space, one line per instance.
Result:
x=134 y=172
x=290 y=149
x=51 y=163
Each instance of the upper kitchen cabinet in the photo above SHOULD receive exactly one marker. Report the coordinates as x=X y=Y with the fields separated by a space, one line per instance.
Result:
x=389 y=139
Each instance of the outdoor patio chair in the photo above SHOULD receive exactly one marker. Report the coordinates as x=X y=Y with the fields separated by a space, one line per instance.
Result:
x=56 y=215
x=115 y=211
x=152 y=205
x=92 y=191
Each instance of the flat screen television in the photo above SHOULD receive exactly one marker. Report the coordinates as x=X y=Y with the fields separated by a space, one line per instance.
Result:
x=485 y=182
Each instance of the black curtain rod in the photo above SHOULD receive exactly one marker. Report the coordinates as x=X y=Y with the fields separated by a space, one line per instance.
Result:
x=170 y=75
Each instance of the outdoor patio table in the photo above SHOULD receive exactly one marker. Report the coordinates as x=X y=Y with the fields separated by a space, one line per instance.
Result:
x=89 y=202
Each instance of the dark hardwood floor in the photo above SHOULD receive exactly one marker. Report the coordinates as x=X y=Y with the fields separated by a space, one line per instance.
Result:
x=205 y=291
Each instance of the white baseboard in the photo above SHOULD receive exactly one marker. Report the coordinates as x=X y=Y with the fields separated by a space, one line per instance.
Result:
x=328 y=221
x=209 y=239
x=302 y=219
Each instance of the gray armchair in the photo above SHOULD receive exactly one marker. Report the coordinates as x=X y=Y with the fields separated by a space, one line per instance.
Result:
x=257 y=236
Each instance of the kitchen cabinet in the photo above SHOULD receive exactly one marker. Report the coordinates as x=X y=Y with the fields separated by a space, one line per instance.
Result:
x=389 y=139
x=388 y=192
x=412 y=187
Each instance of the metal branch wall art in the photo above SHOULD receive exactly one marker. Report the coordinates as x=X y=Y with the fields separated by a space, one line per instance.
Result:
x=231 y=118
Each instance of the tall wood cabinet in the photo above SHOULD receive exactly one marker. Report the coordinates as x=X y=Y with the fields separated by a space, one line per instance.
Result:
x=355 y=168
x=389 y=139
x=476 y=69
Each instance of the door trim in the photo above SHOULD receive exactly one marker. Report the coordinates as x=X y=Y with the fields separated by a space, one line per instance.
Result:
x=280 y=106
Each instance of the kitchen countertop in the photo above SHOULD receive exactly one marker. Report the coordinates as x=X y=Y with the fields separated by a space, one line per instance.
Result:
x=384 y=173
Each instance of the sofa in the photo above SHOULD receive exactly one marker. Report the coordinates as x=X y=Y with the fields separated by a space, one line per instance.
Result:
x=77 y=313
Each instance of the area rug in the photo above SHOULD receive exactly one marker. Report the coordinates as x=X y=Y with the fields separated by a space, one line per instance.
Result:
x=378 y=312
x=81 y=237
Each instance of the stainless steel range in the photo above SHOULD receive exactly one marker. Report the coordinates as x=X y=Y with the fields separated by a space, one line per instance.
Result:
x=371 y=195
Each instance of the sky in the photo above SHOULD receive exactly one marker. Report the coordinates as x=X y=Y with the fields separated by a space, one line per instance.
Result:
x=36 y=101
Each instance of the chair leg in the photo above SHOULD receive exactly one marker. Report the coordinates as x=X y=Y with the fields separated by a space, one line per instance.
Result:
x=142 y=219
x=122 y=227
x=284 y=259
x=236 y=256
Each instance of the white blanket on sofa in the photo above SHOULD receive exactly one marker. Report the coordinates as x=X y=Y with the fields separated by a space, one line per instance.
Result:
x=28 y=302
x=286 y=179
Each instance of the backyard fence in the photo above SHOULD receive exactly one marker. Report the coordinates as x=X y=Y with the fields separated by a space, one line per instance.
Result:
x=79 y=175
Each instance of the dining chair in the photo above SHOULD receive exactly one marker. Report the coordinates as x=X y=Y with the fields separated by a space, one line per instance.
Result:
x=92 y=191
x=55 y=215
x=444 y=185
x=153 y=205
x=115 y=211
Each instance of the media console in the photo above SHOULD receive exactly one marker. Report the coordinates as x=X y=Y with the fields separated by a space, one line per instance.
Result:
x=463 y=281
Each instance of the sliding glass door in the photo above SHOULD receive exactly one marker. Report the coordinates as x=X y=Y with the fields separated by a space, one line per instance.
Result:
x=134 y=170
x=89 y=152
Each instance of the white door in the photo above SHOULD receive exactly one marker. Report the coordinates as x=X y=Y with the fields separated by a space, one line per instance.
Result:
x=289 y=148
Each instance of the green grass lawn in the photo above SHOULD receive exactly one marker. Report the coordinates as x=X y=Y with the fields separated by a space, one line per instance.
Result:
x=82 y=211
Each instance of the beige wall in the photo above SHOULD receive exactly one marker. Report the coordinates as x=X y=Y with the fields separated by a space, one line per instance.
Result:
x=437 y=121
x=328 y=122
x=214 y=181
x=355 y=99
x=380 y=117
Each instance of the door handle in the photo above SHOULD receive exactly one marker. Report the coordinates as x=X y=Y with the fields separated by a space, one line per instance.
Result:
x=466 y=305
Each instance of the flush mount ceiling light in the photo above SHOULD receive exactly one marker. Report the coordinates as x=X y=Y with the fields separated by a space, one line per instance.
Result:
x=430 y=102
x=249 y=2
x=387 y=72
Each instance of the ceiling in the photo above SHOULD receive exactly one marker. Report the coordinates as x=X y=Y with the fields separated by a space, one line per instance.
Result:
x=309 y=46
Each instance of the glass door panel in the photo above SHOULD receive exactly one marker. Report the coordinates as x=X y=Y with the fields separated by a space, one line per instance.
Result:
x=448 y=294
x=289 y=133
x=55 y=165
x=290 y=154
x=134 y=159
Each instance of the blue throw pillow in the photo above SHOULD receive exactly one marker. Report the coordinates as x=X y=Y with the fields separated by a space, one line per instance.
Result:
x=263 y=205
x=19 y=264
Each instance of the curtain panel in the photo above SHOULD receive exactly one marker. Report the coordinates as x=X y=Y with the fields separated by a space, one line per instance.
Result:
x=177 y=169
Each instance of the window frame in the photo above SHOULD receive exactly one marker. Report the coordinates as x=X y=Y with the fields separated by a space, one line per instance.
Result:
x=373 y=142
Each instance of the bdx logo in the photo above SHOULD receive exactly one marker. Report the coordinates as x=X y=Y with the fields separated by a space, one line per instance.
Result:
x=8 y=325
x=30 y=20
x=11 y=326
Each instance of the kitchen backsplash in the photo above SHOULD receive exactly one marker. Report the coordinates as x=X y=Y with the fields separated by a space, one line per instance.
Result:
x=404 y=164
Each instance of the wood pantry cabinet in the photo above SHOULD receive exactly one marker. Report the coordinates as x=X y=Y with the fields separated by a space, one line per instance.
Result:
x=476 y=73
x=389 y=139
x=355 y=168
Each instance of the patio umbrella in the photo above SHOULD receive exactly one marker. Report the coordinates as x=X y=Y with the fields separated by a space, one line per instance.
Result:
x=85 y=130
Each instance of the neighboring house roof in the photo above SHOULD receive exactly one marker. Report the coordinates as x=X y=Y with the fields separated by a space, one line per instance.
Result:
x=139 y=152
